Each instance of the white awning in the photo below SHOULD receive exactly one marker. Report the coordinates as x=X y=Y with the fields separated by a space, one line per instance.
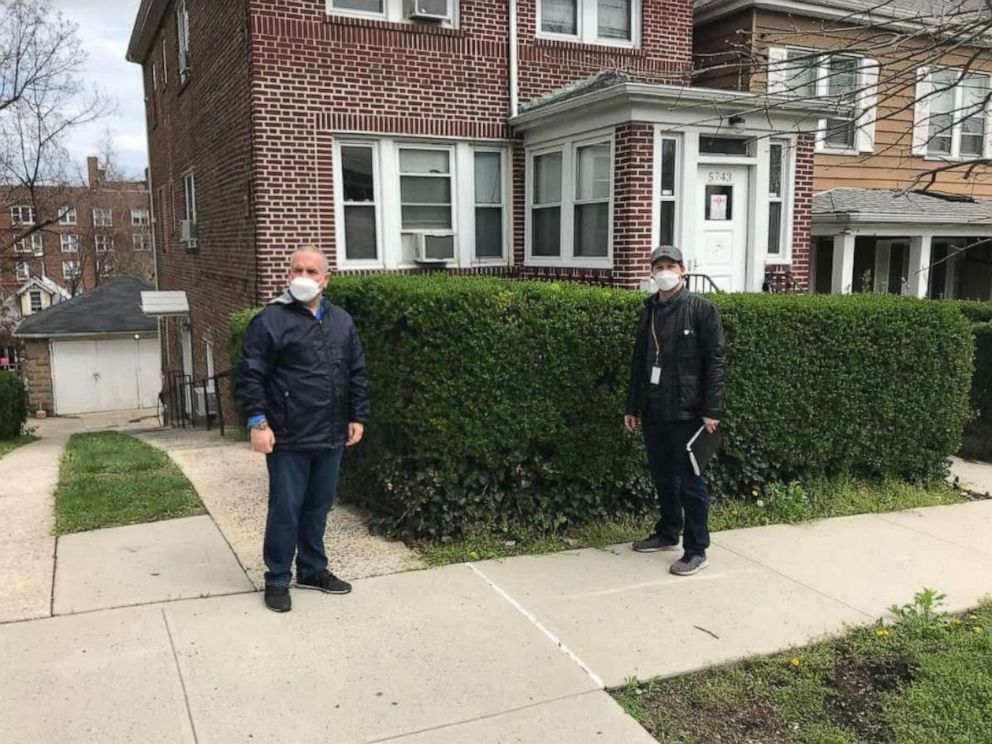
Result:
x=165 y=304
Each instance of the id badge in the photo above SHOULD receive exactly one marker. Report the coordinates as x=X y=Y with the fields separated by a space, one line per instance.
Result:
x=656 y=375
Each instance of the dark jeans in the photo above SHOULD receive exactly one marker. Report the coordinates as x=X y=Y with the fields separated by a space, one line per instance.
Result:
x=302 y=486
x=680 y=491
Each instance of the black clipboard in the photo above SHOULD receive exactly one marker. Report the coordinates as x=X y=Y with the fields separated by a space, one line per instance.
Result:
x=702 y=447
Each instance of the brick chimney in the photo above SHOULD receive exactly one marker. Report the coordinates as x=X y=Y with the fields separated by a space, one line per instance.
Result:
x=94 y=172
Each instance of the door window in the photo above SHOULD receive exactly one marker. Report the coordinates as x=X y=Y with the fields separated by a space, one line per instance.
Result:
x=719 y=203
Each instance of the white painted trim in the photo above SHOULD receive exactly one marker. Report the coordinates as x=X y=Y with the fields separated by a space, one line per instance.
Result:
x=920 y=247
x=587 y=26
x=843 y=267
x=394 y=11
x=339 y=234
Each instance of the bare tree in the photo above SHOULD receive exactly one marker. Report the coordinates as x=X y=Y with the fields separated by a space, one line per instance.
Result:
x=42 y=100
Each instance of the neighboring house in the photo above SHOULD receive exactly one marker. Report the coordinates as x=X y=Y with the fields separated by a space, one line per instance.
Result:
x=920 y=102
x=523 y=138
x=76 y=236
x=93 y=352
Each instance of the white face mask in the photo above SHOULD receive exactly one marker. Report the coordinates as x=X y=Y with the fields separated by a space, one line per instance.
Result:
x=667 y=280
x=304 y=289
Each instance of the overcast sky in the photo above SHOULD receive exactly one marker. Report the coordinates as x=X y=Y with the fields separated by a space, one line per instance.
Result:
x=104 y=30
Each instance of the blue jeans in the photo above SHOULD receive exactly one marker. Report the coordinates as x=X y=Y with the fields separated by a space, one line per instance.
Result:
x=682 y=495
x=302 y=486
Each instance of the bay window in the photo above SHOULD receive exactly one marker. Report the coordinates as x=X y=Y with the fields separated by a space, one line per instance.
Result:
x=592 y=200
x=489 y=204
x=546 y=211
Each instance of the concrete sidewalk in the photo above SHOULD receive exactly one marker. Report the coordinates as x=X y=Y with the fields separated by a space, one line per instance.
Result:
x=501 y=651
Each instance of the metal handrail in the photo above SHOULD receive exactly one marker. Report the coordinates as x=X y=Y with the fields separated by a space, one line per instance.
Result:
x=701 y=284
x=177 y=400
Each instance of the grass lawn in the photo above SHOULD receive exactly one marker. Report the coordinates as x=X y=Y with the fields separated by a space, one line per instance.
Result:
x=925 y=679
x=109 y=479
x=785 y=504
x=9 y=445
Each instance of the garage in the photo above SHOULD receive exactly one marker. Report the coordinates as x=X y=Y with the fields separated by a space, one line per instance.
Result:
x=95 y=352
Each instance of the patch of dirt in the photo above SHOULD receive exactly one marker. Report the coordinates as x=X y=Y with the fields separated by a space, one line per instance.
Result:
x=859 y=688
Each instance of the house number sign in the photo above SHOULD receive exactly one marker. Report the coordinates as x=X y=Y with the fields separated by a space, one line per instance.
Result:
x=719 y=177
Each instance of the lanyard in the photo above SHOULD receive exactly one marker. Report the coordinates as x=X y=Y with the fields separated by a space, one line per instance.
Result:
x=657 y=341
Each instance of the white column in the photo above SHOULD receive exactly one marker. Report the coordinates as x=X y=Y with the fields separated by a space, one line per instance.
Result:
x=883 y=259
x=843 y=275
x=918 y=279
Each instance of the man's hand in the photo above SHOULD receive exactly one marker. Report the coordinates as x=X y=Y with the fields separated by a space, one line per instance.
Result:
x=355 y=433
x=710 y=424
x=263 y=440
x=631 y=423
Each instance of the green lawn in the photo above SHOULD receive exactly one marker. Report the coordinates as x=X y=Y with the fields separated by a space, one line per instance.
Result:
x=109 y=479
x=926 y=679
x=785 y=504
x=9 y=445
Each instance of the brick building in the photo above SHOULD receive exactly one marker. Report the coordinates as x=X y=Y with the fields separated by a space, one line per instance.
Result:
x=526 y=138
x=73 y=237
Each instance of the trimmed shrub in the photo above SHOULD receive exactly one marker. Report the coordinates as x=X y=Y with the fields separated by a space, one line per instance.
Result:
x=499 y=404
x=13 y=406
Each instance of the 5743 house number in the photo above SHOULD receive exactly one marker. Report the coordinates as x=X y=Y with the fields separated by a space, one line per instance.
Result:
x=719 y=177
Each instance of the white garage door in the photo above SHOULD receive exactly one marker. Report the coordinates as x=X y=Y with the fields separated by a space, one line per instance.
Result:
x=105 y=374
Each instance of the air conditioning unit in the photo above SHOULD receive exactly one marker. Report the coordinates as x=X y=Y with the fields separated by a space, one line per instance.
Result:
x=434 y=248
x=428 y=10
x=187 y=232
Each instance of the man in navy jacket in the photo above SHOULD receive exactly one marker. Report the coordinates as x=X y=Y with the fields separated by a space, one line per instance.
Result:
x=302 y=380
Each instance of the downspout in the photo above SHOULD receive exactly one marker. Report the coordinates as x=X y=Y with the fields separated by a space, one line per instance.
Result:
x=514 y=63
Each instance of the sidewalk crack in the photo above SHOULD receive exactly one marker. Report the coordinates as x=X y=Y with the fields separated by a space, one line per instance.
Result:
x=179 y=671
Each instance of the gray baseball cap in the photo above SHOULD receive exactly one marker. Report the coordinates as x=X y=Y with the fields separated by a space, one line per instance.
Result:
x=667 y=251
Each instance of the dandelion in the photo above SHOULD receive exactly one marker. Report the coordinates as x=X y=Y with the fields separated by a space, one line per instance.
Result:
x=958 y=621
x=978 y=629
x=882 y=632
x=794 y=662
x=759 y=502
x=972 y=616
x=473 y=555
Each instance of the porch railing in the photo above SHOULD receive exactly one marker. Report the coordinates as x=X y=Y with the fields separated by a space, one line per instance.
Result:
x=185 y=402
x=701 y=284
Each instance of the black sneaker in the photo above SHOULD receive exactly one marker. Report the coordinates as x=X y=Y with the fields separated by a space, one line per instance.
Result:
x=277 y=598
x=325 y=582
x=688 y=565
x=654 y=543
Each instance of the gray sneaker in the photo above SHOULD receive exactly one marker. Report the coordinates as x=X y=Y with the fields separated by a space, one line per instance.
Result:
x=687 y=565
x=654 y=543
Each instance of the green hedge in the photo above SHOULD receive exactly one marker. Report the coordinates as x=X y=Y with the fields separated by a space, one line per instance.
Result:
x=499 y=404
x=13 y=407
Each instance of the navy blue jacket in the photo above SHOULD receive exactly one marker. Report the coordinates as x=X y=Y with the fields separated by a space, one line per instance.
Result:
x=306 y=375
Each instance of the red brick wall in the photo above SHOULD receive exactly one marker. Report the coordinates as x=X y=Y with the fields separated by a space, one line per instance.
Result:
x=204 y=125
x=803 y=211
x=315 y=74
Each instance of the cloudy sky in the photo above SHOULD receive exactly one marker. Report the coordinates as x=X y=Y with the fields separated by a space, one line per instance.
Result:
x=104 y=30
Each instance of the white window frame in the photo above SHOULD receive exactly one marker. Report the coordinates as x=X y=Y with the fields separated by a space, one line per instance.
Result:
x=17 y=214
x=452 y=180
x=103 y=243
x=70 y=272
x=678 y=196
x=184 y=53
x=784 y=256
x=165 y=63
x=587 y=25
x=68 y=243
x=866 y=98
x=504 y=205
x=141 y=242
x=22 y=271
x=921 y=116
x=103 y=217
x=140 y=217
x=32 y=294
x=568 y=149
x=67 y=215
x=189 y=196
x=36 y=248
x=388 y=215
x=339 y=206
x=395 y=11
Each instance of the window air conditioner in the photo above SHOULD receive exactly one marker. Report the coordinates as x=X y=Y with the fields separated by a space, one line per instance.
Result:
x=428 y=10
x=434 y=248
x=187 y=232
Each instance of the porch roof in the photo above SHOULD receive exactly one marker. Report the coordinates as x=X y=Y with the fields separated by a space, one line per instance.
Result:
x=894 y=206
x=868 y=12
x=612 y=89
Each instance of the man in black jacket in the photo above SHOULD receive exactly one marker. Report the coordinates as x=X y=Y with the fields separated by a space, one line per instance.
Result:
x=301 y=379
x=676 y=386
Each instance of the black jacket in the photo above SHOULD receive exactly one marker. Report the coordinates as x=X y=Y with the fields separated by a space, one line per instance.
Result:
x=692 y=359
x=306 y=375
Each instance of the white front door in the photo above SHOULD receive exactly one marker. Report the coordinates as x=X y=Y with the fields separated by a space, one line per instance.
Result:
x=722 y=208
x=105 y=374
